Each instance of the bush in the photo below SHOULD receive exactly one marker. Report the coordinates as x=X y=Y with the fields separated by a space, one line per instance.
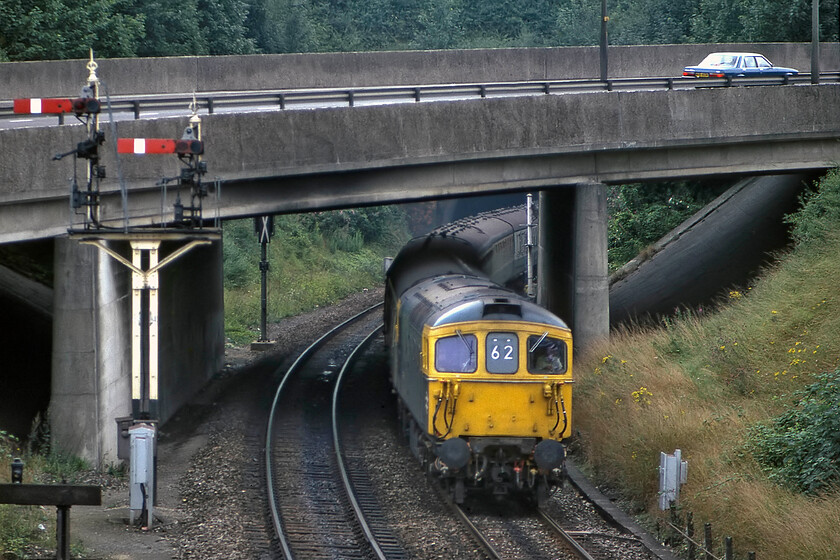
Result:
x=801 y=448
x=641 y=214
x=820 y=211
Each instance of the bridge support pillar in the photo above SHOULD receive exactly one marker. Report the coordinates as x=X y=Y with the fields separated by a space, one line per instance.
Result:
x=572 y=271
x=91 y=371
x=91 y=331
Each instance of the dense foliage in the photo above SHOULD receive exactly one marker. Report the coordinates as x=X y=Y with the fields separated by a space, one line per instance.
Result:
x=314 y=259
x=58 y=29
x=801 y=448
x=820 y=211
x=640 y=214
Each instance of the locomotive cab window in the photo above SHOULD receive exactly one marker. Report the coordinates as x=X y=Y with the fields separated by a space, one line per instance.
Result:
x=546 y=355
x=502 y=353
x=456 y=354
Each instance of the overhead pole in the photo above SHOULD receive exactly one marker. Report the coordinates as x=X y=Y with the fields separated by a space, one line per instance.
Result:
x=815 y=42
x=604 y=19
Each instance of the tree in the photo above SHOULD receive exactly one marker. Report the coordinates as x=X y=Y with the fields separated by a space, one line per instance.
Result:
x=643 y=22
x=718 y=21
x=60 y=29
x=223 y=25
x=172 y=28
x=579 y=23
x=440 y=26
x=511 y=22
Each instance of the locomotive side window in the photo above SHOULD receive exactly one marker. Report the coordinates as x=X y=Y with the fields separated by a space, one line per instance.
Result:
x=456 y=354
x=502 y=353
x=546 y=355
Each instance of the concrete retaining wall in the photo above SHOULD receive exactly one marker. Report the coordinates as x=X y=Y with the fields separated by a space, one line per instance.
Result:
x=260 y=72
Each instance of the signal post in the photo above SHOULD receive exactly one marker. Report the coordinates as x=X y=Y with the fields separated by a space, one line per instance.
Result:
x=183 y=226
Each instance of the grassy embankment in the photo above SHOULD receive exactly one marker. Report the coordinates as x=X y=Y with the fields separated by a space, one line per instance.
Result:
x=314 y=259
x=716 y=385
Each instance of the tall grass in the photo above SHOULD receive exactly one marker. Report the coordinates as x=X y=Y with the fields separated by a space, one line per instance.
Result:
x=21 y=527
x=314 y=259
x=701 y=382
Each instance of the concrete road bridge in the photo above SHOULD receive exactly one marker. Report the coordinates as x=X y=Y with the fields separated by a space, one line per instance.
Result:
x=566 y=146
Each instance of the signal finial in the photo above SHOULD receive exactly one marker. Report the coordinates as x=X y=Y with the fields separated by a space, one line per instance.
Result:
x=92 y=66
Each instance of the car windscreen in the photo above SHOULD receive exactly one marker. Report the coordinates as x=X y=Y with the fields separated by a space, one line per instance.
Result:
x=718 y=59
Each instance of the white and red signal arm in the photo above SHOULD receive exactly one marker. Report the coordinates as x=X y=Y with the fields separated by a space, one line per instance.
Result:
x=56 y=105
x=159 y=146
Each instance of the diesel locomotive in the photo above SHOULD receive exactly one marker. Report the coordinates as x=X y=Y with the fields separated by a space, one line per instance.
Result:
x=483 y=375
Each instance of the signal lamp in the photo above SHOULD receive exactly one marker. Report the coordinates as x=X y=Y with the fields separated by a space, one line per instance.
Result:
x=84 y=105
x=189 y=147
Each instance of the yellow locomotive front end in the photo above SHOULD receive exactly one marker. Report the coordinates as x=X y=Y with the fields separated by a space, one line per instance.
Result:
x=499 y=401
x=498 y=379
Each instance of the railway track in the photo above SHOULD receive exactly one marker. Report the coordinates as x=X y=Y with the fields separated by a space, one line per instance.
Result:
x=510 y=531
x=324 y=505
x=321 y=506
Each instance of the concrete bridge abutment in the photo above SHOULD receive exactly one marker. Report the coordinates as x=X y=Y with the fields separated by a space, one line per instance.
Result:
x=572 y=276
x=91 y=366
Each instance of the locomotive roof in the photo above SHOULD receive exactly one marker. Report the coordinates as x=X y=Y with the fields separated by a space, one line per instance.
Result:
x=458 y=298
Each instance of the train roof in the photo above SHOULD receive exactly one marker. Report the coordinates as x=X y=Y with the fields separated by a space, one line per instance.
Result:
x=460 y=298
x=456 y=248
x=499 y=309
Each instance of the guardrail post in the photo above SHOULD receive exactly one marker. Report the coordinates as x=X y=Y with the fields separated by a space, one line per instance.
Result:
x=689 y=530
x=707 y=540
x=136 y=107
x=728 y=548
x=351 y=98
x=676 y=537
x=62 y=533
x=417 y=94
x=282 y=100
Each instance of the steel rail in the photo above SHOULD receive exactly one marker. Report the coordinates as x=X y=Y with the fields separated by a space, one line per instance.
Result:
x=275 y=514
x=476 y=532
x=211 y=102
x=578 y=549
x=345 y=477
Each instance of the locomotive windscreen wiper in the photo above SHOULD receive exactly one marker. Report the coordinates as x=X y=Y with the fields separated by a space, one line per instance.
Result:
x=470 y=350
x=537 y=343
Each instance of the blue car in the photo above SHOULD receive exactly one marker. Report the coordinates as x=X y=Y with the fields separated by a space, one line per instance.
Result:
x=722 y=64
